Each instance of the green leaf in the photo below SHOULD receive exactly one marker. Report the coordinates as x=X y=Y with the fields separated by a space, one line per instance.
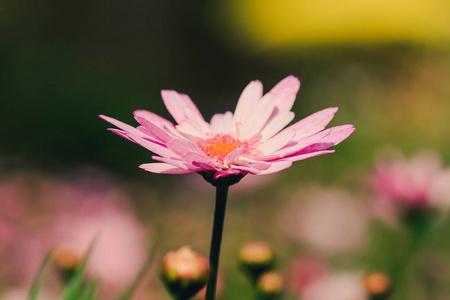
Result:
x=37 y=284
x=126 y=295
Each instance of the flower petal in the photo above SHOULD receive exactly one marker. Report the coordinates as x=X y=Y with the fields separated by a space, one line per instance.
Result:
x=153 y=118
x=183 y=147
x=292 y=147
x=313 y=123
x=247 y=169
x=196 y=157
x=277 y=166
x=154 y=130
x=295 y=146
x=277 y=142
x=201 y=160
x=121 y=125
x=198 y=122
x=327 y=139
x=152 y=146
x=285 y=92
x=259 y=117
x=163 y=168
x=251 y=94
x=187 y=130
x=270 y=157
x=181 y=107
x=177 y=163
x=204 y=166
x=177 y=104
x=233 y=156
x=228 y=172
x=309 y=155
x=222 y=123
x=121 y=133
x=260 y=165
x=275 y=124
x=339 y=133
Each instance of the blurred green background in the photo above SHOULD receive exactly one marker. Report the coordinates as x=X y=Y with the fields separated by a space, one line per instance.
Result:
x=385 y=64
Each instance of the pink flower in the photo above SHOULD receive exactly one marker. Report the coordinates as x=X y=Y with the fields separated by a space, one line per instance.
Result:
x=340 y=286
x=328 y=221
x=409 y=183
x=20 y=293
x=23 y=215
x=252 y=140
x=95 y=210
x=305 y=271
x=38 y=213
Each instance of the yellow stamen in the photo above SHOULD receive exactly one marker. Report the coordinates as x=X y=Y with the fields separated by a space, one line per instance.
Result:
x=219 y=146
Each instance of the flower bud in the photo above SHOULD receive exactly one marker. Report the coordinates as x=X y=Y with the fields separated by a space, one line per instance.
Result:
x=66 y=261
x=378 y=285
x=184 y=272
x=270 y=285
x=256 y=258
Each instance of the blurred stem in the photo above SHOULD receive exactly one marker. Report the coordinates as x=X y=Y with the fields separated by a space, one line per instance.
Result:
x=418 y=232
x=255 y=290
x=216 y=239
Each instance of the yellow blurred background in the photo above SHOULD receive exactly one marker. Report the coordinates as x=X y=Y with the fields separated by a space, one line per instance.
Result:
x=296 y=23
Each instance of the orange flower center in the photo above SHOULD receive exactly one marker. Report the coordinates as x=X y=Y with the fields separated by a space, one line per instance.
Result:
x=219 y=146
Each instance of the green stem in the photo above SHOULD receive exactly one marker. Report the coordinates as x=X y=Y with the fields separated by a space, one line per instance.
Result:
x=417 y=240
x=216 y=240
x=255 y=290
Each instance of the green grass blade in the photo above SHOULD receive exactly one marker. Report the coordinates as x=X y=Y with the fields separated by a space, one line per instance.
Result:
x=75 y=287
x=37 y=284
x=126 y=295
x=90 y=291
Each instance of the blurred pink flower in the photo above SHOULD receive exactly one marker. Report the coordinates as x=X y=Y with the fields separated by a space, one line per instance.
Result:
x=331 y=222
x=92 y=211
x=22 y=220
x=252 y=140
x=12 y=204
x=38 y=213
x=418 y=182
x=21 y=293
x=304 y=272
x=340 y=286
x=440 y=191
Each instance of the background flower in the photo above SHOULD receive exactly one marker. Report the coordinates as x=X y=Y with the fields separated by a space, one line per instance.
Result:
x=408 y=182
x=304 y=271
x=24 y=221
x=339 y=286
x=330 y=221
x=75 y=213
x=21 y=293
x=94 y=211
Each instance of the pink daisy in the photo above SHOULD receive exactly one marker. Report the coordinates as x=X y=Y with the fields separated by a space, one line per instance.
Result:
x=409 y=183
x=252 y=140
